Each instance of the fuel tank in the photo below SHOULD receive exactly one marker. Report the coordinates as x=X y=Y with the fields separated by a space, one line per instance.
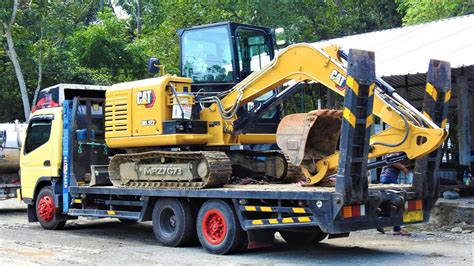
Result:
x=12 y=136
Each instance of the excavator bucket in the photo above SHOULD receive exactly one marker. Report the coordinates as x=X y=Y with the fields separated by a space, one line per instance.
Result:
x=309 y=136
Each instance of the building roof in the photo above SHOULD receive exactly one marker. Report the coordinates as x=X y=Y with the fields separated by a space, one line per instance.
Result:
x=407 y=50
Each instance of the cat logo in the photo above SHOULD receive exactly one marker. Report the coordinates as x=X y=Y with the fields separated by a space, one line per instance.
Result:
x=146 y=98
x=339 y=79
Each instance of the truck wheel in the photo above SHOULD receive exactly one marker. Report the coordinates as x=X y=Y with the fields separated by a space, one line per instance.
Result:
x=303 y=238
x=173 y=222
x=218 y=228
x=46 y=211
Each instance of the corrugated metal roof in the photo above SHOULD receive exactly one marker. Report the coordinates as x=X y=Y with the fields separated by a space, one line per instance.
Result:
x=412 y=86
x=407 y=50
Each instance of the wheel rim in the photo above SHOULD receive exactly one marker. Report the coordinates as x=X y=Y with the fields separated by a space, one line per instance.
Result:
x=168 y=222
x=214 y=227
x=46 y=208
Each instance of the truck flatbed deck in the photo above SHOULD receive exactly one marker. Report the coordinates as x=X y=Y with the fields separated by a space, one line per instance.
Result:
x=288 y=191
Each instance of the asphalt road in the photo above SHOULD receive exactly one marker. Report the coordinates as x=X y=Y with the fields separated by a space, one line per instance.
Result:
x=108 y=241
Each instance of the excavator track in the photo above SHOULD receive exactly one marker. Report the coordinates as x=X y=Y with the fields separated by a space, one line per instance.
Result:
x=275 y=165
x=126 y=170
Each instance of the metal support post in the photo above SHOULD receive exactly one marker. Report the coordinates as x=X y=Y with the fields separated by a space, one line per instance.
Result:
x=351 y=179
x=435 y=107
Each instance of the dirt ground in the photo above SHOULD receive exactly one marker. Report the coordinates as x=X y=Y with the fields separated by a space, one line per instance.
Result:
x=107 y=241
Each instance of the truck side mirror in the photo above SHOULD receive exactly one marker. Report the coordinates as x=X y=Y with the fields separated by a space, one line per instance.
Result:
x=154 y=65
x=280 y=36
x=3 y=138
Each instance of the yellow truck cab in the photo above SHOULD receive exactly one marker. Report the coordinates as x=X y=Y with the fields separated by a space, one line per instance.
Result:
x=40 y=157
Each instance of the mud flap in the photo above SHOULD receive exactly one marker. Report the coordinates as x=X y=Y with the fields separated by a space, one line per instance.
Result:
x=260 y=238
x=31 y=211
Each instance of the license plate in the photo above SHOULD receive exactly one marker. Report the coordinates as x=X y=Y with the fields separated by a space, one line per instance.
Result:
x=413 y=216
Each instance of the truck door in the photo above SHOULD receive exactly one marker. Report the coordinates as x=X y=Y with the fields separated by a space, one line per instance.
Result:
x=37 y=153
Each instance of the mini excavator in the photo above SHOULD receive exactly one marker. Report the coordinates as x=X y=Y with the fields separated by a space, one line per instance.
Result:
x=197 y=130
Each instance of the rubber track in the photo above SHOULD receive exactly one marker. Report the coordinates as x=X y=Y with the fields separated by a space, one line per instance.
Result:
x=293 y=172
x=220 y=168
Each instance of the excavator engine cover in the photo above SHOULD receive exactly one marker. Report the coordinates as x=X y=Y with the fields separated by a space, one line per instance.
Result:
x=309 y=136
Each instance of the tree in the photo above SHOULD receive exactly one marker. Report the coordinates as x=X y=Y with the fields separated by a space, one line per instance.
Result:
x=106 y=50
x=135 y=9
x=11 y=52
x=84 y=41
x=420 y=11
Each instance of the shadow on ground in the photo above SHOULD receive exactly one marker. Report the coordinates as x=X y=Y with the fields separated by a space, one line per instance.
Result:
x=143 y=232
x=11 y=210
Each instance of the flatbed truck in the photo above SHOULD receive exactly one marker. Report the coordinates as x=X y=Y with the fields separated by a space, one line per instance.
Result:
x=226 y=219
x=65 y=158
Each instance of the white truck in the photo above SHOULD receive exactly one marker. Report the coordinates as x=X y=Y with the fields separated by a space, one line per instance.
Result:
x=11 y=138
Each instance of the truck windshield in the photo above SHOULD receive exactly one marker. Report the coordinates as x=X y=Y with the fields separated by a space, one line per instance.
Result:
x=206 y=55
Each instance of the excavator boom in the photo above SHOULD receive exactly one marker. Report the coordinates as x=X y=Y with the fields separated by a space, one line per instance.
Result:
x=410 y=132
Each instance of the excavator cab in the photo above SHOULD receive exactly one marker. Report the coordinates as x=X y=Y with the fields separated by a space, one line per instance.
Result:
x=218 y=56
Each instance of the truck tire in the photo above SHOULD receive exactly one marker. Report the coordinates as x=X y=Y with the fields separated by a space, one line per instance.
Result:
x=46 y=211
x=218 y=228
x=173 y=222
x=303 y=237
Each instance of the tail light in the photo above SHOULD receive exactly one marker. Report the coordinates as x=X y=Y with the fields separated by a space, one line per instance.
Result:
x=413 y=205
x=352 y=211
x=413 y=211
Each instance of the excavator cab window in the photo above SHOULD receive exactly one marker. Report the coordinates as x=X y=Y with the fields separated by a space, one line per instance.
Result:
x=253 y=48
x=217 y=56
x=206 y=55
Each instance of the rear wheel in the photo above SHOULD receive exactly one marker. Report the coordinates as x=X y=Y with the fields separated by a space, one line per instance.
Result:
x=46 y=211
x=173 y=222
x=303 y=238
x=218 y=228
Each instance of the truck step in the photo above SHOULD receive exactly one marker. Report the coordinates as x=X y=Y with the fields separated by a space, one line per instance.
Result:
x=281 y=222
x=104 y=213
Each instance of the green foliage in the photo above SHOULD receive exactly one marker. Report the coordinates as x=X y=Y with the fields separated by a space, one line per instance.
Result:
x=89 y=41
x=303 y=20
x=105 y=51
x=420 y=11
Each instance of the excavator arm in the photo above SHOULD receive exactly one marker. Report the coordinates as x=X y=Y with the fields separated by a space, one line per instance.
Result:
x=410 y=132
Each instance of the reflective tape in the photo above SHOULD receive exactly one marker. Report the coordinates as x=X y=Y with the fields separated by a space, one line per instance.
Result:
x=351 y=83
x=447 y=97
x=369 y=121
x=431 y=90
x=349 y=116
x=252 y=208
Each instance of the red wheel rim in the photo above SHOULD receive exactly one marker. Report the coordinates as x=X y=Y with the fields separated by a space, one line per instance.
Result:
x=214 y=226
x=46 y=208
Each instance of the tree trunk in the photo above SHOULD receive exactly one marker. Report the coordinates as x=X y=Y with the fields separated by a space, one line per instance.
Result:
x=139 y=18
x=19 y=74
x=40 y=68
